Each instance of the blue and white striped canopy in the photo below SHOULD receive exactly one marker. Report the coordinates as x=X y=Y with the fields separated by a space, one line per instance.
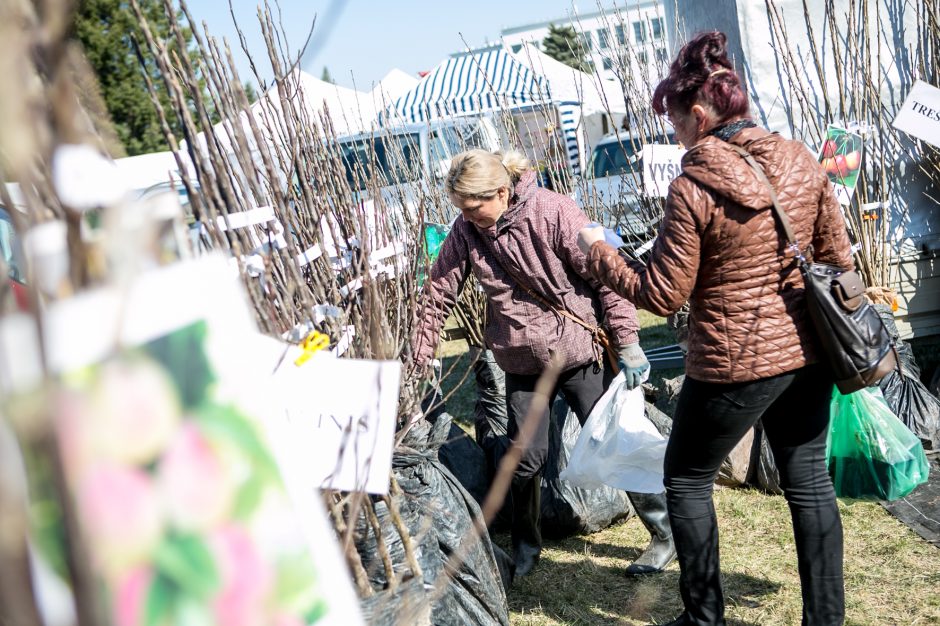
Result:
x=478 y=83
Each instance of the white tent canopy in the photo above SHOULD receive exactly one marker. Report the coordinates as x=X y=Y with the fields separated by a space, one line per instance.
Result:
x=350 y=111
x=568 y=84
x=584 y=98
x=486 y=82
x=499 y=79
x=394 y=84
x=149 y=171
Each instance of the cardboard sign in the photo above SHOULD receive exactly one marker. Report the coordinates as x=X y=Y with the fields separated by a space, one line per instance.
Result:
x=920 y=114
x=340 y=413
x=661 y=164
x=841 y=157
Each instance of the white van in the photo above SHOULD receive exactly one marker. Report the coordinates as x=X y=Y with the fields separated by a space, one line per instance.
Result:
x=612 y=186
x=399 y=155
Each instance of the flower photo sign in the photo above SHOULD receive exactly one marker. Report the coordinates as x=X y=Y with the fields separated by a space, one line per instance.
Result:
x=184 y=509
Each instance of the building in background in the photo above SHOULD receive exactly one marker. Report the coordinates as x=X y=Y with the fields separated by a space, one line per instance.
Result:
x=623 y=38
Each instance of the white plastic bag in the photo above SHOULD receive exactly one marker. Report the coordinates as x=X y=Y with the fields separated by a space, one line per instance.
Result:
x=618 y=446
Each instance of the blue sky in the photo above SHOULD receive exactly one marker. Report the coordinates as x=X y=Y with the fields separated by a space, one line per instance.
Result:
x=362 y=40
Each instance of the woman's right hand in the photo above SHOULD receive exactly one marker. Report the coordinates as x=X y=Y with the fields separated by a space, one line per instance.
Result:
x=589 y=235
x=592 y=233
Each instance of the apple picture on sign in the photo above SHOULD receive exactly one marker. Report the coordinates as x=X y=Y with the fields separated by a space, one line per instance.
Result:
x=841 y=158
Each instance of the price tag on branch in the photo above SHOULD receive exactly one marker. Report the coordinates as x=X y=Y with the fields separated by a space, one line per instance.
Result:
x=337 y=416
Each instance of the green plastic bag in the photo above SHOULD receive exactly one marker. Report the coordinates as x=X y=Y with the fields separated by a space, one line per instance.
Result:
x=871 y=453
x=434 y=236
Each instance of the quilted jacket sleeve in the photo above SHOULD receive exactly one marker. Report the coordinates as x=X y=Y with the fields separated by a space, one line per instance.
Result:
x=620 y=314
x=665 y=283
x=448 y=275
x=831 y=243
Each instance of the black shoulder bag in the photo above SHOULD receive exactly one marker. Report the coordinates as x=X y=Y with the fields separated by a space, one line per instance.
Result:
x=855 y=341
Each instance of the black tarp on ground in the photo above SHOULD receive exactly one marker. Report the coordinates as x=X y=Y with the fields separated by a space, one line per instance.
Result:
x=438 y=513
x=920 y=510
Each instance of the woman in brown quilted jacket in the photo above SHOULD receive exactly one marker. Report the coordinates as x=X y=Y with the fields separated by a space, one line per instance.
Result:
x=752 y=352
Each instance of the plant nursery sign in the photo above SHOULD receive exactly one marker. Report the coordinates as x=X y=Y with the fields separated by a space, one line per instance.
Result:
x=661 y=164
x=188 y=515
x=920 y=114
x=841 y=157
x=337 y=417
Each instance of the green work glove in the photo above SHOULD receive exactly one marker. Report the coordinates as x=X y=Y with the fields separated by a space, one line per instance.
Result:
x=634 y=364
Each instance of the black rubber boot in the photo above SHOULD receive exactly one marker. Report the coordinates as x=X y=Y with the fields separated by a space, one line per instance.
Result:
x=651 y=509
x=526 y=533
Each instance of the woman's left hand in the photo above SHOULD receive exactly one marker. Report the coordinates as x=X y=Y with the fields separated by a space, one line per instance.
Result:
x=589 y=235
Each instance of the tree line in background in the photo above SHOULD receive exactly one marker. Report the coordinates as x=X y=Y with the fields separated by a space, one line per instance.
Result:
x=115 y=88
x=564 y=44
x=109 y=36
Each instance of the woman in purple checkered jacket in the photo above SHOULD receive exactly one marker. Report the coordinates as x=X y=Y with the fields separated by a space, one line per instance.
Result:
x=520 y=242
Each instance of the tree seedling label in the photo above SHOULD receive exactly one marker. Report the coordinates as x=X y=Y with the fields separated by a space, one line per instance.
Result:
x=841 y=157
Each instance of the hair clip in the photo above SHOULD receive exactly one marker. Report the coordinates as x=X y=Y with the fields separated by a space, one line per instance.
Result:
x=719 y=71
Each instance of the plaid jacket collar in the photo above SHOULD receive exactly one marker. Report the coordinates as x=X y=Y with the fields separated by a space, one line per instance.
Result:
x=523 y=191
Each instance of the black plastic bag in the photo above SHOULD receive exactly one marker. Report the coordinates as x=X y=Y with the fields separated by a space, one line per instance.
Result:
x=438 y=513
x=907 y=396
x=661 y=421
x=407 y=604
x=467 y=462
x=490 y=418
x=668 y=398
x=917 y=408
x=566 y=509
x=762 y=471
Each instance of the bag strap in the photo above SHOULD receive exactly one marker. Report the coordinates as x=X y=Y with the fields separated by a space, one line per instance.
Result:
x=542 y=299
x=792 y=242
x=598 y=333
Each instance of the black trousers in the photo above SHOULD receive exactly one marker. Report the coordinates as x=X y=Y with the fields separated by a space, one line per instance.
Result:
x=710 y=420
x=581 y=387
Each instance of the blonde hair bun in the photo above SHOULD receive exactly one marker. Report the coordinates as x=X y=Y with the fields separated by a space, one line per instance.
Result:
x=515 y=163
x=479 y=174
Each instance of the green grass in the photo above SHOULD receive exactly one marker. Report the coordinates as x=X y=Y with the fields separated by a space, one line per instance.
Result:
x=892 y=576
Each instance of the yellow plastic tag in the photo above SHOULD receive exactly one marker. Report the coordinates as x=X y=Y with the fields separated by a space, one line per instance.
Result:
x=312 y=343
